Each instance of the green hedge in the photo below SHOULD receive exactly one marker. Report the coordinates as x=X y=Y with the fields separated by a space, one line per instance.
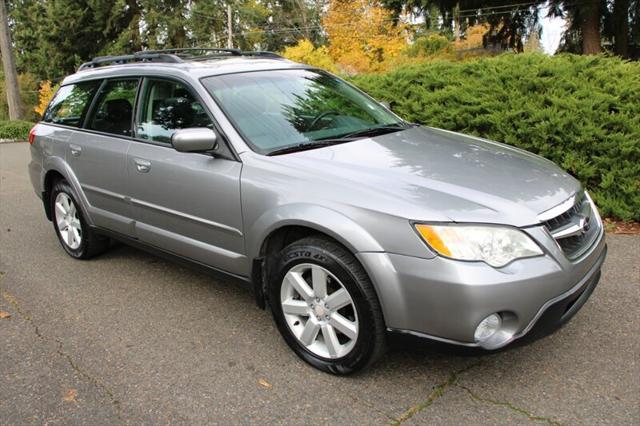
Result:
x=16 y=129
x=582 y=112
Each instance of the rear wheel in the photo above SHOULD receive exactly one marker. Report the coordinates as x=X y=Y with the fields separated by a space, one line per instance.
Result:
x=325 y=307
x=77 y=239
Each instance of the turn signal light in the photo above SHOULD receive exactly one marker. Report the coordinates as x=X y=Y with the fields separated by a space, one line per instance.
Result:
x=32 y=135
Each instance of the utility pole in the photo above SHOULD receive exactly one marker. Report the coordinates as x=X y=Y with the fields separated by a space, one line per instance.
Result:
x=9 y=66
x=456 y=21
x=229 y=27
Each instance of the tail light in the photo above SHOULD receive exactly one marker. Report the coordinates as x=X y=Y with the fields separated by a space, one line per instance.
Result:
x=32 y=135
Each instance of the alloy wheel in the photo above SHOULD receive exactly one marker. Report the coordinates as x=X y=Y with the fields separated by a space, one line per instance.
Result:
x=68 y=221
x=319 y=311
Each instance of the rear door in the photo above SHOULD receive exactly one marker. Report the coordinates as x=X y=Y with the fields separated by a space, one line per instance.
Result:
x=65 y=115
x=98 y=154
x=185 y=203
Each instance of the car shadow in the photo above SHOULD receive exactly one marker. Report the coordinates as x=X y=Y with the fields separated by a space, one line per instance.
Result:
x=404 y=350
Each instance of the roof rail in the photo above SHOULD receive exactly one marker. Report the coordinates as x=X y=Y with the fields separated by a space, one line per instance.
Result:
x=191 y=52
x=263 y=53
x=173 y=56
x=136 y=57
x=185 y=51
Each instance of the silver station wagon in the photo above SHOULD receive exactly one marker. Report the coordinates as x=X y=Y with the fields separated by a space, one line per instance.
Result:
x=348 y=222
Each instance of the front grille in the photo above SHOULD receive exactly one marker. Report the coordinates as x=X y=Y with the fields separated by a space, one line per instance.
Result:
x=576 y=229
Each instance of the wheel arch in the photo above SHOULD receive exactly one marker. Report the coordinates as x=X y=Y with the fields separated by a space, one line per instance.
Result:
x=50 y=178
x=56 y=168
x=276 y=229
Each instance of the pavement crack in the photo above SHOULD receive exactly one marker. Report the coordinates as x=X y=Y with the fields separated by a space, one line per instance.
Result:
x=372 y=407
x=508 y=405
x=93 y=380
x=436 y=393
x=9 y=298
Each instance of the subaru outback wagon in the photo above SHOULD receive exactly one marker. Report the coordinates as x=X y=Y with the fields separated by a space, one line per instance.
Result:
x=347 y=221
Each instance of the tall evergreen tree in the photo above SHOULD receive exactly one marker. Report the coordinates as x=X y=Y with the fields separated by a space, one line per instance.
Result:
x=54 y=36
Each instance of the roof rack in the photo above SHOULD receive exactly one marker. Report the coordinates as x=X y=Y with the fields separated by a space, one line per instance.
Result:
x=190 y=53
x=262 y=53
x=174 y=56
x=185 y=51
x=136 y=57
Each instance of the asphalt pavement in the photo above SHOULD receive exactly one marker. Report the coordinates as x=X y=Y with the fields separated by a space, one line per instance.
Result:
x=129 y=338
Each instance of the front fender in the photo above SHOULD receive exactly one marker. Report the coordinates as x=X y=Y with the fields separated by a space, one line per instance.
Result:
x=323 y=219
x=57 y=164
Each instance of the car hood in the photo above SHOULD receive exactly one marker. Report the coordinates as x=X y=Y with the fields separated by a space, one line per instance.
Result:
x=428 y=174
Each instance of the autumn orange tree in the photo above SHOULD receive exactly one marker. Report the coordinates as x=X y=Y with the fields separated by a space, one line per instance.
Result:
x=307 y=53
x=363 y=36
x=44 y=97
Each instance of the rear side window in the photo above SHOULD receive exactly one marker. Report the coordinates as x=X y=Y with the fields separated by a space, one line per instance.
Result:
x=113 y=112
x=69 y=105
x=166 y=107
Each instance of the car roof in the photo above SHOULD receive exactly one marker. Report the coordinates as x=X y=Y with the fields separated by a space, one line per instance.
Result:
x=190 y=68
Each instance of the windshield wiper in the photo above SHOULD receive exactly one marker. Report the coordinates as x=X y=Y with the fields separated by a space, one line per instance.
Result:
x=348 y=137
x=303 y=146
x=373 y=131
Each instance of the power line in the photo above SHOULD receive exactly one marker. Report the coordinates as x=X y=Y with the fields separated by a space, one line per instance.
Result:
x=477 y=12
x=489 y=12
x=530 y=3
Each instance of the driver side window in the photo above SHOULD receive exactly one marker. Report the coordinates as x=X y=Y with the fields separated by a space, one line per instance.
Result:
x=167 y=106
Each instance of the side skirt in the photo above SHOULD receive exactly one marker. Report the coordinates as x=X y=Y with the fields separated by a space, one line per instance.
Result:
x=244 y=282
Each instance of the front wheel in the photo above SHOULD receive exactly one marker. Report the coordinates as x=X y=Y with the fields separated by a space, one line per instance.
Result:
x=325 y=306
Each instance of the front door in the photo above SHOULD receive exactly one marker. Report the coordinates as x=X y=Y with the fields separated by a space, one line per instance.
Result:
x=185 y=203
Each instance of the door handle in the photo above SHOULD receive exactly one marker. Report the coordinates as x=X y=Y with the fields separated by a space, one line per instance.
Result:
x=75 y=150
x=143 y=166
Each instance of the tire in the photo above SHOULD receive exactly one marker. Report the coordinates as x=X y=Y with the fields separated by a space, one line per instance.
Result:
x=305 y=318
x=75 y=236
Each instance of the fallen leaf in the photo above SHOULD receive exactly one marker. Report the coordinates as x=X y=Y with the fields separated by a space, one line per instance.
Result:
x=70 y=396
x=9 y=298
x=4 y=314
x=264 y=383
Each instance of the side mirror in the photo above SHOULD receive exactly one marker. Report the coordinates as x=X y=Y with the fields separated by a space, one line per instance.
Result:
x=199 y=139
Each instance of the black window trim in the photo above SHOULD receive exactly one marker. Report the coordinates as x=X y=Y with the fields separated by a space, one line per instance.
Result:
x=94 y=102
x=85 y=111
x=221 y=135
x=223 y=139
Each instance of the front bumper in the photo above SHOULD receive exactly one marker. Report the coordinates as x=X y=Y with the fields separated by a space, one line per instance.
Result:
x=445 y=300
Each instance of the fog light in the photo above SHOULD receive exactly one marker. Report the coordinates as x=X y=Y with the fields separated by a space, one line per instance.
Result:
x=487 y=327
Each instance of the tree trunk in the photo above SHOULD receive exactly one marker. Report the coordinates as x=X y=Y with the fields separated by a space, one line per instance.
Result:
x=456 y=21
x=590 y=27
x=9 y=66
x=635 y=26
x=621 y=30
x=229 y=28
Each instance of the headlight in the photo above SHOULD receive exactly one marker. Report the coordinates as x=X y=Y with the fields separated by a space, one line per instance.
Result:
x=494 y=245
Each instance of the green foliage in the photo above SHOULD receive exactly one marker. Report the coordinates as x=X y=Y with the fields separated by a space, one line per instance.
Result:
x=52 y=38
x=428 y=45
x=581 y=112
x=15 y=129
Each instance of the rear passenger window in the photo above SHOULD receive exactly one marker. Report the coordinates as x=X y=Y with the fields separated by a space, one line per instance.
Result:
x=166 y=107
x=69 y=105
x=113 y=112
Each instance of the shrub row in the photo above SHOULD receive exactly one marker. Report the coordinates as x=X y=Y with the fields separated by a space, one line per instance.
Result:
x=16 y=129
x=582 y=112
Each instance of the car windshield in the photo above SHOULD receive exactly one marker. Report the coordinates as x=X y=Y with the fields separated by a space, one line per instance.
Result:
x=277 y=109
